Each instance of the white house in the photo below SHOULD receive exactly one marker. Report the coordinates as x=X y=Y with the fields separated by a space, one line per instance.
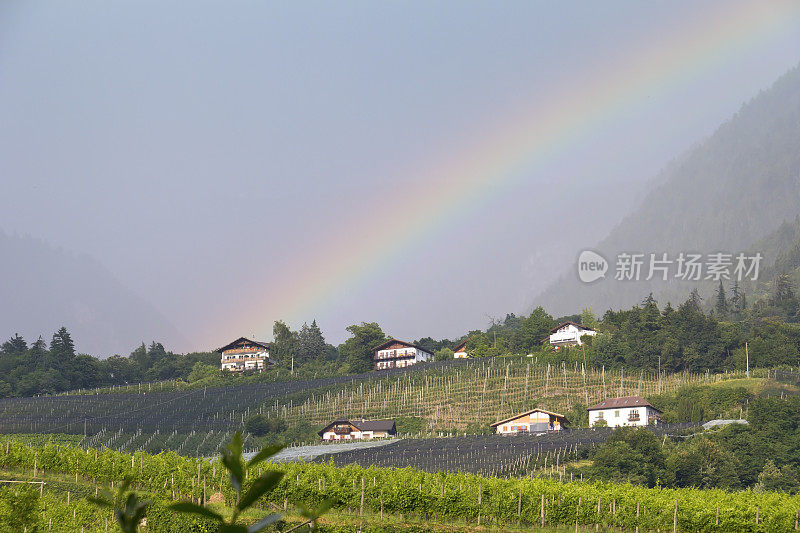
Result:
x=460 y=351
x=398 y=354
x=245 y=354
x=625 y=411
x=344 y=429
x=533 y=421
x=569 y=334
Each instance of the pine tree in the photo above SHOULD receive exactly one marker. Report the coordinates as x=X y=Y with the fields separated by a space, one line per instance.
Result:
x=16 y=345
x=62 y=346
x=652 y=316
x=722 y=302
x=38 y=352
x=696 y=300
x=311 y=343
x=735 y=302
x=782 y=289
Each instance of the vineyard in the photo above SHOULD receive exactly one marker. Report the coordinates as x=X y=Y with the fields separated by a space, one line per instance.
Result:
x=457 y=498
x=447 y=397
x=487 y=455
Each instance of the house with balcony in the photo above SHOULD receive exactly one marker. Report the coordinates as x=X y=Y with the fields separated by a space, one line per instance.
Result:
x=344 y=429
x=398 y=354
x=569 y=334
x=623 y=411
x=531 y=422
x=245 y=354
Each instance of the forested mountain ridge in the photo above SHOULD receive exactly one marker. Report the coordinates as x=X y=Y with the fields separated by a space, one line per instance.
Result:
x=723 y=195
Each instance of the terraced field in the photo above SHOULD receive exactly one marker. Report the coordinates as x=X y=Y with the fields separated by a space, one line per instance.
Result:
x=446 y=397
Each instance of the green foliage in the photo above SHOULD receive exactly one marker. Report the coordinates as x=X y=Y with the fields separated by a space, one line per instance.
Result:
x=450 y=496
x=410 y=424
x=774 y=479
x=311 y=344
x=703 y=463
x=247 y=494
x=260 y=425
x=630 y=455
x=695 y=403
x=445 y=354
x=19 y=509
x=284 y=347
x=128 y=508
x=203 y=371
x=357 y=350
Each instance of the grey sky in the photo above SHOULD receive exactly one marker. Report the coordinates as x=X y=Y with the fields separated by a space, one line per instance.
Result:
x=193 y=148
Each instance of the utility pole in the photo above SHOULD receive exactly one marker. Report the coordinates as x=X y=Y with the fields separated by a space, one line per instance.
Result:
x=747 y=359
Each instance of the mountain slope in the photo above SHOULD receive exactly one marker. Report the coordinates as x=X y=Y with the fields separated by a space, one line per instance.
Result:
x=723 y=195
x=43 y=288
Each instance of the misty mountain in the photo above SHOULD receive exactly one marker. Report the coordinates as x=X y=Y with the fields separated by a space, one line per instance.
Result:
x=723 y=195
x=43 y=288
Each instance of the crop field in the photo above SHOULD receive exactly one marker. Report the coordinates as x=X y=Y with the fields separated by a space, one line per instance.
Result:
x=487 y=455
x=487 y=391
x=447 y=397
x=387 y=493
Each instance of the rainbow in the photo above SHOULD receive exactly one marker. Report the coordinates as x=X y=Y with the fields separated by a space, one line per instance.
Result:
x=354 y=253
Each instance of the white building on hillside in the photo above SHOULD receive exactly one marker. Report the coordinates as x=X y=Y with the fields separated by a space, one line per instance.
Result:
x=569 y=334
x=398 y=354
x=625 y=411
x=245 y=354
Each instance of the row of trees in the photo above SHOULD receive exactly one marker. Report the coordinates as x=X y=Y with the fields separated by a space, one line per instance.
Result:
x=693 y=336
x=45 y=369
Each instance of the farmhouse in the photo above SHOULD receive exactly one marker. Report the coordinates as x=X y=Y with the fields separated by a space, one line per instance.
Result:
x=624 y=411
x=569 y=334
x=344 y=429
x=245 y=354
x=533 y=421
x=398 y=354
x=460 y=351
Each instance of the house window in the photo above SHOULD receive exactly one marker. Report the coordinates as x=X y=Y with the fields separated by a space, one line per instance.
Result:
x=616 y=414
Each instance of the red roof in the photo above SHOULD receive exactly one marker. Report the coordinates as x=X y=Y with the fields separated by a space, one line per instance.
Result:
x=459 y=346
x=624 y=401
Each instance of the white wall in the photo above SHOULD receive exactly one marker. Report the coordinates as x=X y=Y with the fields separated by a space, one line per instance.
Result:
x=570 y=333
x=419 y=356
x=619 y=417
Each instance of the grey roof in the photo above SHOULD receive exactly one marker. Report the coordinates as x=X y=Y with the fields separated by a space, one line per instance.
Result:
x=376 y=425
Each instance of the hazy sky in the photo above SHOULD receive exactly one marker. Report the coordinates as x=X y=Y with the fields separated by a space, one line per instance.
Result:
x=204 y=151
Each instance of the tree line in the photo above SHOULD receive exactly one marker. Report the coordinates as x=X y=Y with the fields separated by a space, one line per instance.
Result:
x=723 y=333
